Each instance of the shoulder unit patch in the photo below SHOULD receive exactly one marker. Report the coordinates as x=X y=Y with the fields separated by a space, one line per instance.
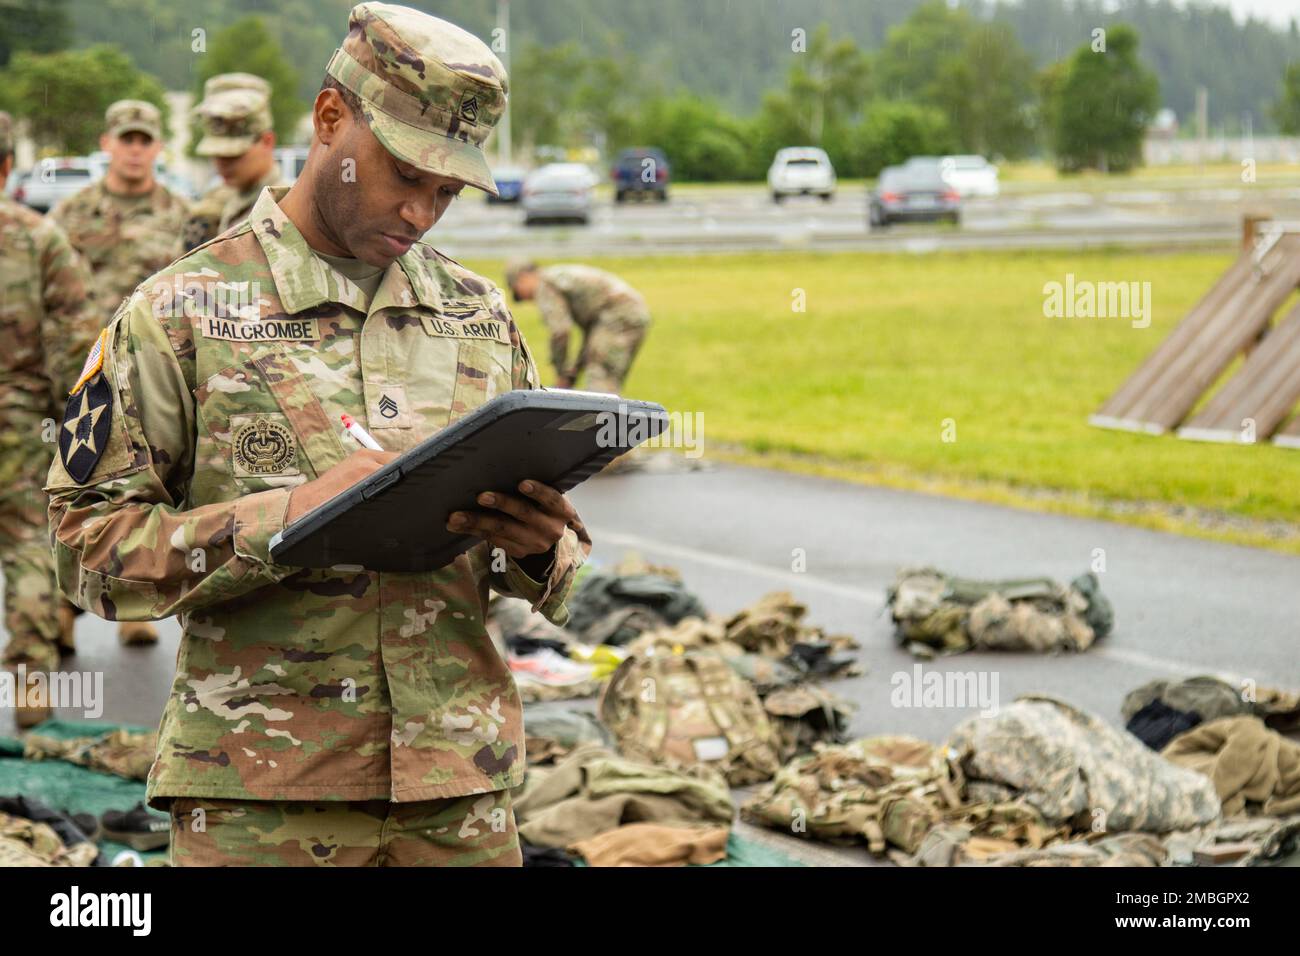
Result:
x=86 y=424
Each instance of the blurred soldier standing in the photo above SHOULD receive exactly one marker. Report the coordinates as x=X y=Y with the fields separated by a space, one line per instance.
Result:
x=127 y=226
x=236 y=118
x=322 y=716
x=49 y=329
x=611 y=314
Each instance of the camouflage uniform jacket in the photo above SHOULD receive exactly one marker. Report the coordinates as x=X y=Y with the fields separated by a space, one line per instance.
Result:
x=222 y=207
x=292 y=683
x=570 y=295
x=123 y=238
x=47 y=332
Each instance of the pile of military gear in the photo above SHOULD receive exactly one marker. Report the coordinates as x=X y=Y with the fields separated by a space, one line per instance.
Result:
x=936 y=613
x=593 y=791
x=1077 y=769
x=1254 y=770
x=687 y=710
x=552 y=733
x=1005 y=790
x=27 y=842
x=772 y=630
x=128 y=754
x=1160 y=710
x=614 y=607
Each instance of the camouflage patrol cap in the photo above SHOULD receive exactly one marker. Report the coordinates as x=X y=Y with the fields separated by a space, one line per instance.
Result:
x=6 y=132
x=235 y=81
x=133 y=116
x=430 y=91
x=232 y=120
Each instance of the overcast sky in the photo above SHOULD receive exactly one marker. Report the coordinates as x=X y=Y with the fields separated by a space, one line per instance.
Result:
x=1276 y=11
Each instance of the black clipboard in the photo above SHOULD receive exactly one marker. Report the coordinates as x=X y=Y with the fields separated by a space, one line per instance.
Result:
x=396 y=519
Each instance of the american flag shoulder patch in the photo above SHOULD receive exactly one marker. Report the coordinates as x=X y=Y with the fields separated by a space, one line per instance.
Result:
x=94 y=362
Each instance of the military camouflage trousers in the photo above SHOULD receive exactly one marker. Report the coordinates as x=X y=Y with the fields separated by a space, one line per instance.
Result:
x=610 y=348
x=31 y=608
x=478 y=830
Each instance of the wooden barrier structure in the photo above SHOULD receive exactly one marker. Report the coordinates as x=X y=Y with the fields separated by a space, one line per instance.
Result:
x=1232 y=318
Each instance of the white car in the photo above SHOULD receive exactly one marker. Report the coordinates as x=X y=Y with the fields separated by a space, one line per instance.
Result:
x=559 y=191
x=53 y=180
x=801 y=171
x=970 y=175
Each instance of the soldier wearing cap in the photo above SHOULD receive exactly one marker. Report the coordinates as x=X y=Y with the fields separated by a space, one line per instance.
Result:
x=236 y=119
x=322 y=716
x=611 y=314
x=48 y=330
x=127 y=226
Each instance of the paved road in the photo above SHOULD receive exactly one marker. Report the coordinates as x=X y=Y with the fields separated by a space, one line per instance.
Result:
x=1183 y=606
x=744 y=218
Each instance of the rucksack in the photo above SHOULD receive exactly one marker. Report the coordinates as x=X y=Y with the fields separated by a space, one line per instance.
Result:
x=687 y=710
x=946 y=614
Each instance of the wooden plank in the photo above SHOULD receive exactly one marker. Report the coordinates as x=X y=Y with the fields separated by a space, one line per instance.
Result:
x=1164 y=389
x=1265 y=389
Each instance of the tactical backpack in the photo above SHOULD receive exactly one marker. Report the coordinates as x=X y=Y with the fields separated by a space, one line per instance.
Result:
x=688 y=710
x=938 y=613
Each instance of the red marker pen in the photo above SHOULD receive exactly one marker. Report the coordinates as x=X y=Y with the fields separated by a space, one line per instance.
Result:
x=360 y=434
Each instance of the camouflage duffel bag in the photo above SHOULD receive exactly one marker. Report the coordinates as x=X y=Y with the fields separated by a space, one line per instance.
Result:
x=689 y=710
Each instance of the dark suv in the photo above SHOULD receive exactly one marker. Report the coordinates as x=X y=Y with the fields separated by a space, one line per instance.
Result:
x=643 y=172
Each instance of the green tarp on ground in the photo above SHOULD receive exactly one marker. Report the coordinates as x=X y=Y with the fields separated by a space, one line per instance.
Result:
x=67 y=787
x=72 y=789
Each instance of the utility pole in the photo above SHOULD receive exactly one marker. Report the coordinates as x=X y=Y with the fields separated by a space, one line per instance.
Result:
x=504 y=151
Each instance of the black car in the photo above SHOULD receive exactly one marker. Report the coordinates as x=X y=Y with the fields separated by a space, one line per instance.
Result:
x=640 y=172
x=916 y=192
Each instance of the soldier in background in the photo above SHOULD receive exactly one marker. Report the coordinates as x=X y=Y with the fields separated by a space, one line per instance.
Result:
x=127 y=226
x=611 y=314
x=236 y=119
x=48 y=330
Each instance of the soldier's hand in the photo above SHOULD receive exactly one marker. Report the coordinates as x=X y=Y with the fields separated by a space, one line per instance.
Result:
x=340 y=478
x=520 y=525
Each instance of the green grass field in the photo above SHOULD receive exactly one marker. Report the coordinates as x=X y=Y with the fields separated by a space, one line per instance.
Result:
x=893 y=345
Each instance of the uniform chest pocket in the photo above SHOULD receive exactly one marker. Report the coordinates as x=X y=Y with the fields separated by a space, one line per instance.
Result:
x=266 y=427
x=484 y=354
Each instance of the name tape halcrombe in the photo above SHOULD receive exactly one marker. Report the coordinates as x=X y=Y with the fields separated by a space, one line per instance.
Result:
x=263 y=330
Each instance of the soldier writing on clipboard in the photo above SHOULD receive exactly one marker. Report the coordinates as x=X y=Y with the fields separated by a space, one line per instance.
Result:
x=320 y=716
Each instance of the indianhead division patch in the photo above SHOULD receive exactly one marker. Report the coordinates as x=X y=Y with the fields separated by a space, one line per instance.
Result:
x=87 y=421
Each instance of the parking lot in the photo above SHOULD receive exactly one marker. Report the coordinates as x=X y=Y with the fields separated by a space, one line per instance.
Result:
x=744 y=218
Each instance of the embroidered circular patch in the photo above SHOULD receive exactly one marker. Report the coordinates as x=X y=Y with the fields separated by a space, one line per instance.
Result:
x=264 y=447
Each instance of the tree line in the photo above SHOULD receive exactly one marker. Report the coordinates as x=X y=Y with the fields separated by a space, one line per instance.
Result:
x=943 y=80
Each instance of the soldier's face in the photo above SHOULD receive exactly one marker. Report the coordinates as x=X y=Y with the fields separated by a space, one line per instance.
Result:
x=131 y=155
x=525 y=286
x=377 y=205
x=249 y=166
